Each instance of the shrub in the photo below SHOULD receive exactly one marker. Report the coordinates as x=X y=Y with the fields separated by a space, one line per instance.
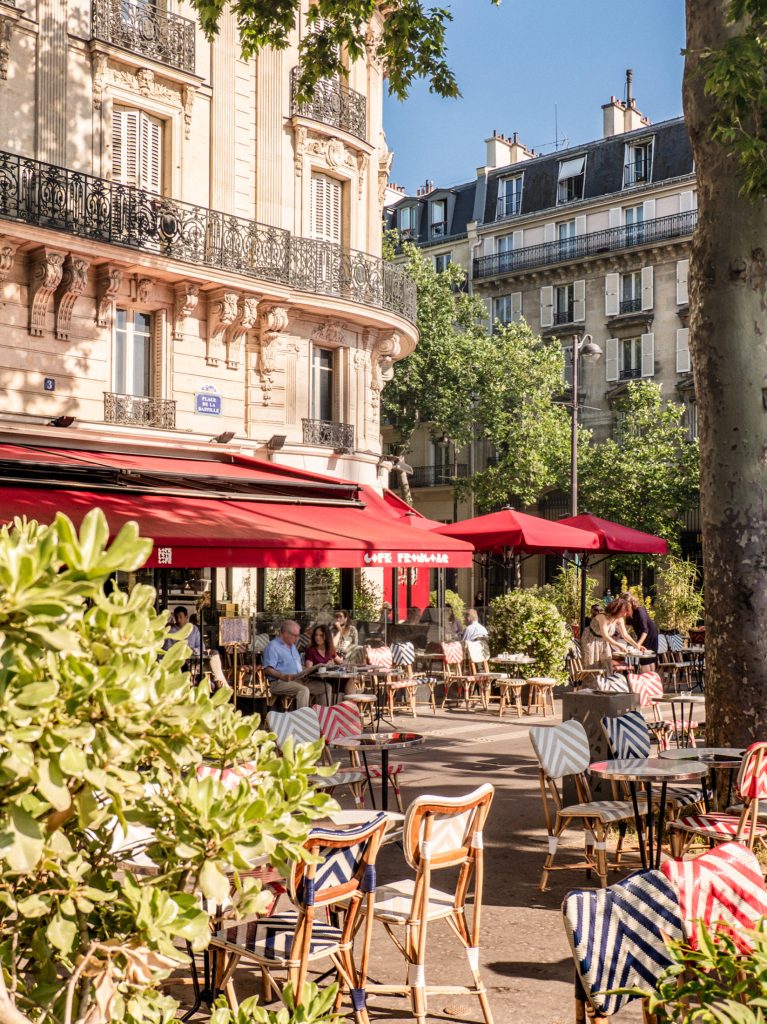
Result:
x=523 y=622
x=454 y=601
x=678 y=600
x=100 y=728
x=565 y=593
x=367 y=599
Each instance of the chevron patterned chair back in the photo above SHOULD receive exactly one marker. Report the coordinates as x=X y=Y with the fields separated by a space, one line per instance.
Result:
x=229 y=777
x=647 y=685
x=662 y=644
x=379 y=656
x=303 y=725
x=302 y=644
x=450 y=826
x=627 y=735
x=478 y=652
x=675 y=641
x=453 y=652
x=403 y=655
x=260 y=642
x=339 y=720
x=618 y=938
x=561 y=749
x=344 y=864
x=752 y=778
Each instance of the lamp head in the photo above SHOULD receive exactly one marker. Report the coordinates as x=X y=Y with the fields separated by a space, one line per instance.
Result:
x=588 y=348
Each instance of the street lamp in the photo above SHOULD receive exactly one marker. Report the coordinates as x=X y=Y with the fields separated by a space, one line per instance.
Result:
x=588 y=348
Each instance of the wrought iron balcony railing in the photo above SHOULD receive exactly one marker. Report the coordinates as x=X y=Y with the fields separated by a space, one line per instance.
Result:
x=508 y=205
x=636 y=174
x=630 y=306
x=677 y=225
x=329 y=433
x=145 y=29
x=632 y=373
x=104 y=211
x=564 y=316
x=433 y=476
x=334 y=104
x=139 y=411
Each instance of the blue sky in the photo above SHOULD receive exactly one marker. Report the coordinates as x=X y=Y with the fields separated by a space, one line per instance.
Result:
x=517 y=62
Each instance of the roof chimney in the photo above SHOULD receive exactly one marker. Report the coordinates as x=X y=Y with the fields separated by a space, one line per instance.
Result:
x=622 y=117
x=500 y=151
x=629 y=83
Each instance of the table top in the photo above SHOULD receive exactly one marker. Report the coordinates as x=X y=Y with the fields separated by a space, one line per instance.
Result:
x=649 y=769
x=680 y=698
x=694 y=649
x=379 y=670
x=717 y=755
x=337 y=673
x=378 y=740
x=512 y=659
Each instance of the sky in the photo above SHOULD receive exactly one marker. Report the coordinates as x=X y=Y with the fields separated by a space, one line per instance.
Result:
x=519 y=63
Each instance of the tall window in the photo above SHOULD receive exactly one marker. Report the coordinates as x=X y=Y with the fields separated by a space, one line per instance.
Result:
x=631 y=292
x=502 y=310
x=137 y=143
x=132 y=362
x=638 y=167
x=630 y=358
x=633 y=219
x=408 y=223
x=572 y=174
x=322 y=384
x=327 y=195
x=564 y=304
x=566 y=237
x=510 y=196
x=442 y=261
x=438 y=217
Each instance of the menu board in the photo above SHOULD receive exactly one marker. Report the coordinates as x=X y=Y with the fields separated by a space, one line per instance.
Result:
x=234 y=631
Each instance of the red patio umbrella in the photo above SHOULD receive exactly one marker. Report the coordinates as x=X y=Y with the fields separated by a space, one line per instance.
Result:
x=614 y=537
x=520 y=532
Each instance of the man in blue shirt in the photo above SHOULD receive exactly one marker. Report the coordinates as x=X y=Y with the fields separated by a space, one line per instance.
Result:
x=282 y=666
x=179 y=620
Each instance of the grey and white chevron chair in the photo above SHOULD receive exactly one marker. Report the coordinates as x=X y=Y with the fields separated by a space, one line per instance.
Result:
x=341 y=876
x=563 y=751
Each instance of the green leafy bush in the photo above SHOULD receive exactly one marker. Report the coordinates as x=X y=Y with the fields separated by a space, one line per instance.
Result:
x=523 y=622
x=679 y=600
x=565 y=593
x=100 y=730
x=454 y=601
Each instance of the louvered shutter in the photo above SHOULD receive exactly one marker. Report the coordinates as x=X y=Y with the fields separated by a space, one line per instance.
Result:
x=648 y=209
x=612 y=285
x=125 y=145
x=682 y=270
x=612 y=360
x=648 y=355
x=517 y=239
x=151 y=153
x=516 y=306
x=549 y=231
x=580 y=225
x=615 y=217
x=579 y=301
x=647 y=289
x=683 y=350
x=685 y=202
x=326 y=212
x=547 y=306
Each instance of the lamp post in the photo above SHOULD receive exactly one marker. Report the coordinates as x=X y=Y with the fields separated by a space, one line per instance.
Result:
x=588 y=348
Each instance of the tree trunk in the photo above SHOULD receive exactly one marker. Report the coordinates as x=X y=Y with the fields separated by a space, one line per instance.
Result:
x=728 y=298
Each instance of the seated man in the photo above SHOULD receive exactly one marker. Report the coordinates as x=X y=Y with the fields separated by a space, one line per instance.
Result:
x=474 y=628
x=282 y=666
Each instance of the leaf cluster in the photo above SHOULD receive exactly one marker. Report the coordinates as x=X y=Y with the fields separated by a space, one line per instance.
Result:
x=525 y=622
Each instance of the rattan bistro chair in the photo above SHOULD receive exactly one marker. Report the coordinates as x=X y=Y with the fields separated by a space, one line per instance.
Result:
x=341 y=876
x=439 y=833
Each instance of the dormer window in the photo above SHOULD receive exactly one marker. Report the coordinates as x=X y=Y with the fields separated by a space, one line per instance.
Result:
x=572 y=174
x=438 y=218
x=638 y=169
x=408 y=223
x=509 y=196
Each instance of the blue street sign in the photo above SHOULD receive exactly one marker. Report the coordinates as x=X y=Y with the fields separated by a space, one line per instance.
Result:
x=207 y=403
x=49 y=383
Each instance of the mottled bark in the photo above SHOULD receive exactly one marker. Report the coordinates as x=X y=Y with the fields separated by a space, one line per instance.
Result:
x=728 y=296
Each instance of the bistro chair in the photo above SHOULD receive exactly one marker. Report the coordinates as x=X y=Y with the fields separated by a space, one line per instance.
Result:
x=341 y=877
x=477 y=655
x=343 y=720
x=382 y=658
x=721 y=827
x=563 y=752
x=439 y=833
x=404 y=656
x=467 y=685
x=541 y=695
x=577 y=674
x=303 y=726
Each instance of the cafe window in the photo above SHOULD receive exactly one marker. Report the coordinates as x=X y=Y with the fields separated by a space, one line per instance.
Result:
x=132 y=353
x=322 y=383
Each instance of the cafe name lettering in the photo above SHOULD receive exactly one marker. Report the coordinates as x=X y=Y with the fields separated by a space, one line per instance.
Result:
x=406 y=558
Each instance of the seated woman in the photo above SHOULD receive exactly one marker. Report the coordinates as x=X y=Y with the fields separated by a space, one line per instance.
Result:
x=345 y=635
x=322 y=652
x=598 y=645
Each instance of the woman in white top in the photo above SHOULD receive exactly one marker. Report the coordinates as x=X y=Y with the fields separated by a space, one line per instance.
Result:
x=599 y=643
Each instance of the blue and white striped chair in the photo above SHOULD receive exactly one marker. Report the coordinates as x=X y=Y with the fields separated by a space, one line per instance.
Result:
x=341 y=875
x=403 y=658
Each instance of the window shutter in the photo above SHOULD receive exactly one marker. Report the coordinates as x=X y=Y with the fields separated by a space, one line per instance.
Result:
x=647 y=297
x=682 y=269
x=326 y=203
x=125 y=145
x=516 y=306
x=161 y=355
x=648 y=355
x=549 y=232
x=612 y=285
x=648 y=209
x=683 y=350
x=579 y=301
x=517 y=239
x=615 y=216
x=547 y=305
x=151 y=153
x=612 y=360
x=580 y=225
x=685 y=202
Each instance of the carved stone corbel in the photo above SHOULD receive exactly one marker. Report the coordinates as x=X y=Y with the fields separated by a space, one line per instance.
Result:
x=145 y=290
x=73 y=281
x=222 y=312
x=384 y=167
x=385 y=352
x=186 y=297
x=363 y=159
x=272 y=321
x=299 y=145
x=8 y=249
x=99 y=67
x=188 y=94
x=108 y=281
x=46 y=269
x=247 y=316
x=6 y=24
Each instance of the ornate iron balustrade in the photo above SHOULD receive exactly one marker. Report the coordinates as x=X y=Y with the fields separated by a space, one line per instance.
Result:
x=630 y=306
x=662 y=229
x=333 y=103
x=508 y=205
x=632 y=373
x=564 y=316
x=637 y=173
x=329 y=434
x=139 y=411
x=144 y=28
x=433 y=476
x=88 y=207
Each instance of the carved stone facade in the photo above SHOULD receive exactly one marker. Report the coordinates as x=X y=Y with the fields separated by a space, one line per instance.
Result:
x=272 y=321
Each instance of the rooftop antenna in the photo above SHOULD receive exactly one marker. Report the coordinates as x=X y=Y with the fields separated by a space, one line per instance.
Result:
x=556 y=128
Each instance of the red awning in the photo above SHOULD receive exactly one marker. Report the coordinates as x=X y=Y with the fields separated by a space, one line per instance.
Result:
x=520 y=532
x=613 y=537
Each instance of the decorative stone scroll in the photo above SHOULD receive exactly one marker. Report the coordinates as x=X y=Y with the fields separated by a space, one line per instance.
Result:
x=108 y=281
x=385 y=352
x=222 y=312
x=73 y=281
x=46 y=269
x=8 y=249
x=272 y=321
x=247 y=316
x=186 y=296
x=6 y=25
x=328 y=334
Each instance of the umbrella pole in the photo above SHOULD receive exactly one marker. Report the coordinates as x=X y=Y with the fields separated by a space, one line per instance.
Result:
x=584 y=568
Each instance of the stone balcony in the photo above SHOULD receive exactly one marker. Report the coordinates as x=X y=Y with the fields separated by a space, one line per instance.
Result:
x=146 y=30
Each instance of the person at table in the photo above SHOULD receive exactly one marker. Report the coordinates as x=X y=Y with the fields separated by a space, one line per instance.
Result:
x=594 y=610
x=599 y=644
x=282 y=666
x=178 y=620
x=645 y=629
x=474 y=628
x=345 y=635
x=323 y=652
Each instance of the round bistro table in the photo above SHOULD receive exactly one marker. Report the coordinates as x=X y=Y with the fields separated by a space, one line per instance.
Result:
x=382 y=742
x=715 y=757
x=647 y=771
x=335 y=677
x=685 y=701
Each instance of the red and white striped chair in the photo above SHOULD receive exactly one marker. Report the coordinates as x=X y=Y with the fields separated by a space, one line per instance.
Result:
x=724 y=827
x=231 y=776
x=468 y=685
x=342 y=720
x=647 y=686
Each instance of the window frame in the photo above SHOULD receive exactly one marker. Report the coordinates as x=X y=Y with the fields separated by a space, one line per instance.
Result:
x=504 y=195
x=569 y=311
x=565 y=184
x=433 y=205
x=125 y=367
x=633 y=149
x=446 y=258
x=632 y=372
x=328 y=371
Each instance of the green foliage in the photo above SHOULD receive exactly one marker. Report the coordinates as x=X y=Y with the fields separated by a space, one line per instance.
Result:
x=316 y=1008
x=565 y=592
x=647 y=476
x=367 y=599
x=679 y=599
x=101 y=731
x=280 y=598
x=452 y=600
x=524 y=622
